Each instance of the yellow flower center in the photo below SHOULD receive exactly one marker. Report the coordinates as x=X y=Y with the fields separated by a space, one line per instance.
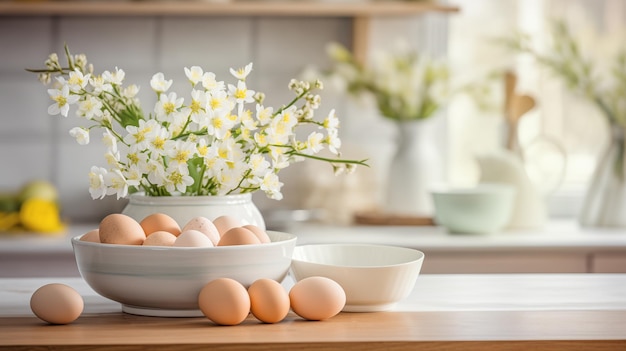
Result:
x=176 y=177
x=169 y=107
x=159 y=143
x=133 y=158
x=182 y=156
x=60 y=100
x=241 y=93
x=195 y=106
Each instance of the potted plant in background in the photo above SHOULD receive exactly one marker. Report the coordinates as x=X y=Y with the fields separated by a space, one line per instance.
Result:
x=603 y=84
x=198 y=157
x=408 y=88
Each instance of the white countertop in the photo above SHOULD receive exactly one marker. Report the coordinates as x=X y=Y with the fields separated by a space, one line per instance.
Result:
x=433 y=292
x=557 y=235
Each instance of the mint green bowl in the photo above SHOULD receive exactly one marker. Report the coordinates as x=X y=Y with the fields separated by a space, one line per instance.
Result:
x=482 y=209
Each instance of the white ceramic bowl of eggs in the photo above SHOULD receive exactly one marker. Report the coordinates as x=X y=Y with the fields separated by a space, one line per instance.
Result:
x=374 y=277
x=164 y=277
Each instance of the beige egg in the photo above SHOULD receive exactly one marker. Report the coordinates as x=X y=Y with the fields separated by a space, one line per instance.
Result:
x=160 y=238
x=159 y=222
x=269 y=301
x=91 y=236
x=260 y=233
x=193 y=238
x=204 y=225
x=224 y=301
x=224 y=223
x=317 y=298
x=238 y=236
x=57 y=304
x=121 y=229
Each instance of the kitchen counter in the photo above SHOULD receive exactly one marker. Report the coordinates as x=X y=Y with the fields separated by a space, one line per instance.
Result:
x=444 y=312
x=560 y=247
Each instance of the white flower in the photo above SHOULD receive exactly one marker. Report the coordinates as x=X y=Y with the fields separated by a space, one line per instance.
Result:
x=167 y=106
x=97 y=186
x=210 y=84
x=331 y=122
x=179 y=152
x=139 y=137
x=333 y=141
x=177 y=179
x=264 y=114
x=81 y=135
x=313 y=144
x=196 y=109
x=271 y=186
x=115 y=78
x=62 y=99
x=258 y=165
x=109 y=140
x=100 y=85
x=130 y=91
x=77 y=80
x=242 y=73
x=159 y=84
x=90 y=107
x=116 y=184
x=194 y=74
x=240 y=93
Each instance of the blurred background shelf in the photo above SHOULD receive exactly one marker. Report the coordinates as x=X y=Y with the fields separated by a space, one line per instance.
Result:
x=225 y=8
x=361 y=12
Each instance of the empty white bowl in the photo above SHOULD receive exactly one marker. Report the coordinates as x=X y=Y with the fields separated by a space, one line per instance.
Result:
x=483 y=209
x=374 y=277
x=166 y=281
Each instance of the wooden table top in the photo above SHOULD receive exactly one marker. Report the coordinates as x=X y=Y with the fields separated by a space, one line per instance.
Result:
x=444 y=312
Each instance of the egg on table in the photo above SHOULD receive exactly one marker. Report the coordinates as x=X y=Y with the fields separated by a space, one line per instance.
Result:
x=269 y=301
x=224 y=301
x=317 y=298
x=57 y=304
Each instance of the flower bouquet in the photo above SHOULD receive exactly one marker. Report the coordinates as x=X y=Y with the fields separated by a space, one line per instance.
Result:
x=222 y=140
x=406 y=85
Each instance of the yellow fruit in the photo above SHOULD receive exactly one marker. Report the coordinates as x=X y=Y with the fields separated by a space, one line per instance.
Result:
x=40 y=189
x=8 y=220
x=40 y=215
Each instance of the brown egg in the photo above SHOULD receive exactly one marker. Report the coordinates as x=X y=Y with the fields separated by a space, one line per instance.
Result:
x=91 y=236
x=204 y=225
x=260 y=233
x=118 y=228
x=224 y=301
x=160 y=238
x=317 y=298
x=269 y=301
x=193 y=238
x=57 y=304
x=224 y=223
x=159 y=221
x=238 y=236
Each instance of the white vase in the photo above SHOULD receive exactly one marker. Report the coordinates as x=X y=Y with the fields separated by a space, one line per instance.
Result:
x=605 y=200
x=414 y=169
x=184 y=208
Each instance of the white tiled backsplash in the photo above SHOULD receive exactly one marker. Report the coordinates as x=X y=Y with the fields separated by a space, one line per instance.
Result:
x=34 y=145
